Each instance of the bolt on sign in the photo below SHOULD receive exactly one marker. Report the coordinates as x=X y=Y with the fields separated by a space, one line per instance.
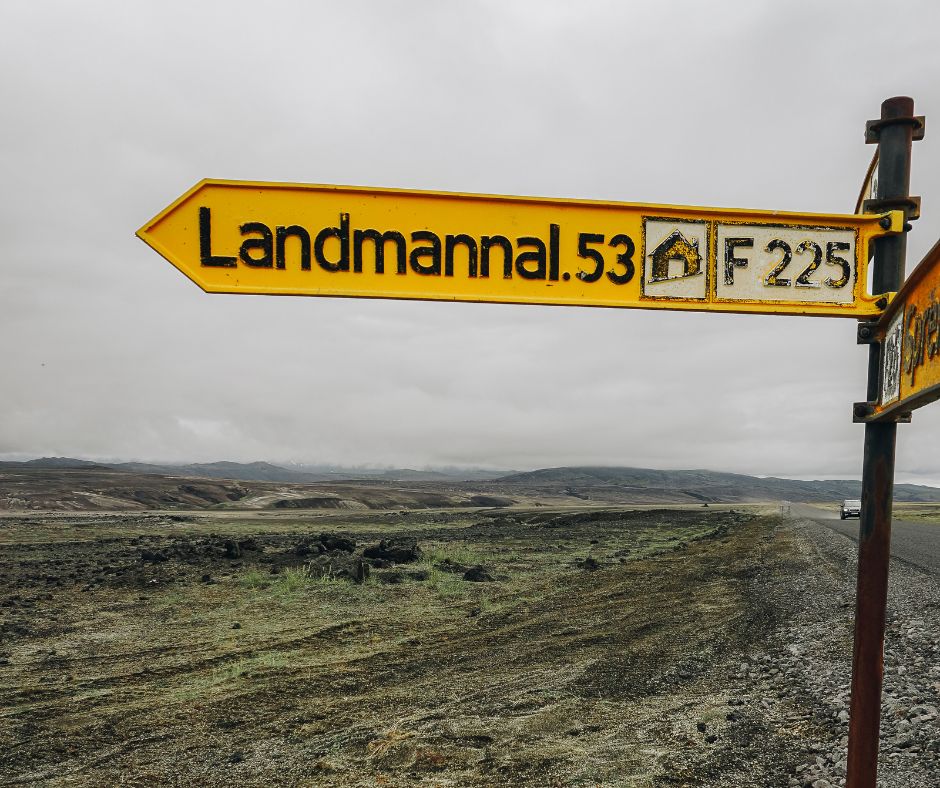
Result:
x=294 y=239
x=909 y=333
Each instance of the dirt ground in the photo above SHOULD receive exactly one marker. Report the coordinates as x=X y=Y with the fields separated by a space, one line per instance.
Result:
x=202 y=649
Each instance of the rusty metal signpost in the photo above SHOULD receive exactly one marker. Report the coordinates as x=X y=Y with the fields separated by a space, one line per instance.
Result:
x=902 y=344
x=296 y=239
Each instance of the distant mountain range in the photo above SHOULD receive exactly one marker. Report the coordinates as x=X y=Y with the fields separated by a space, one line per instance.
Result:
x=600 y=484
x=694 y=486
x=265 y=471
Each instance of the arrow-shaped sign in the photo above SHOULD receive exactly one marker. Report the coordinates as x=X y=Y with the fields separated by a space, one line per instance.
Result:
x=292 y=239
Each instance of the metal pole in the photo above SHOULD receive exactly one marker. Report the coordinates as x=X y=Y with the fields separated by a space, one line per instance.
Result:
x=895 y=133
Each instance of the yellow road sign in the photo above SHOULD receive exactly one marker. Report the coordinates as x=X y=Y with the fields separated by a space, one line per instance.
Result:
x=909 y=332
x=295 y=239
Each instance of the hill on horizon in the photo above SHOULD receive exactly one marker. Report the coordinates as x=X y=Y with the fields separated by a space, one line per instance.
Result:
x=614 y=484
x=261 y=471
x=702 y=486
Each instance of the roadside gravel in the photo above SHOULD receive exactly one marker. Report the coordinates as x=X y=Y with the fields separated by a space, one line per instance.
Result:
x=798 y=682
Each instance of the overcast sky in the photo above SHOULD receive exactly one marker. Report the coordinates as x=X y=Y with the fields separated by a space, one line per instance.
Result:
x=111 y=110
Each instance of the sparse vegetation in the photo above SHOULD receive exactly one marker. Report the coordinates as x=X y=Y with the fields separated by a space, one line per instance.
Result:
x=918 y=512
x=272 y=675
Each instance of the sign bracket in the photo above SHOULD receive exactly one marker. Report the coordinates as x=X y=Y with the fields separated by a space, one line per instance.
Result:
x=873 y=127
x=910 y=205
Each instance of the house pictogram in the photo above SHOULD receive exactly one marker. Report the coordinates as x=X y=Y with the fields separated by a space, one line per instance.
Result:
x=675 y=247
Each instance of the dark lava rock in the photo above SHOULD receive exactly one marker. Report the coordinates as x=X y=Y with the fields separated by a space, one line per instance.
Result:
x=153 y=556
x=326 y=543
x=589 y=564
x=451 y=566
x=477 y=574
x=236 y=625
x=419 y=575
x=250 y=544
x=397 y=549
x=231 y=548
x=336 y=542
x=339 y=566
x=236 y=757
x=207 y=579
x=391 y=577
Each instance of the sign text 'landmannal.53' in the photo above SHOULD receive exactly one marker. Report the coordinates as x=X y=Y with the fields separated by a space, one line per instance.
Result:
x=294 y=239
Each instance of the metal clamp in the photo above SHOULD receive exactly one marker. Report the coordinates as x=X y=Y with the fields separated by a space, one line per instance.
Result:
x=910 y=206
x=873 y=127
x=864 y=412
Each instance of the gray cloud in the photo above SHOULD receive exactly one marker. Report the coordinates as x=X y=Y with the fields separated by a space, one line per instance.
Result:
x=114 y=109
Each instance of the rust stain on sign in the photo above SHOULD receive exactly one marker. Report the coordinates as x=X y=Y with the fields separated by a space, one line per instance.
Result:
x=296 y=239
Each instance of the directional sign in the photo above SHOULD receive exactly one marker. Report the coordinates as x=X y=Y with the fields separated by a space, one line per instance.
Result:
x=909 y=332
x=293 y=239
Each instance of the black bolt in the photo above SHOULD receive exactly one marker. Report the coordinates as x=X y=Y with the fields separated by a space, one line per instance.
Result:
x=885 y=222
x=881 y=303
x=908 y=227
x=862 y=409
x=864 y=332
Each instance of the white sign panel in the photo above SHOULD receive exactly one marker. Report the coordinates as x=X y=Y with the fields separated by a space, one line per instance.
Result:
x=769 y=263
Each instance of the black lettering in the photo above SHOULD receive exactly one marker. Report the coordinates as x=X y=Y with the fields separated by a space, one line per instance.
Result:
x=803 y=280
x=293 y=231
x=625 y=258
x=909 y=344
x=833 y=259
x=341 y=233
x=773 y=277
x=433 y=251
x=590 y=254
x=917 y=354
x=378 y=241
x=537 y=256
x=450 y=243
x=487 y=242
x=732 y=244
x=553 y=233
x=265 y=244
x=205 y=243
x=932 y=329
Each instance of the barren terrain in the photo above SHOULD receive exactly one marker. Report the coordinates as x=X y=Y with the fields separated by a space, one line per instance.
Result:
x=536 y=644
x=137 y=649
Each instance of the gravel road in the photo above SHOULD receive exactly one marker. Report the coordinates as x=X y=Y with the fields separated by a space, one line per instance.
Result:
x=808 y=666
x=915 y=543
